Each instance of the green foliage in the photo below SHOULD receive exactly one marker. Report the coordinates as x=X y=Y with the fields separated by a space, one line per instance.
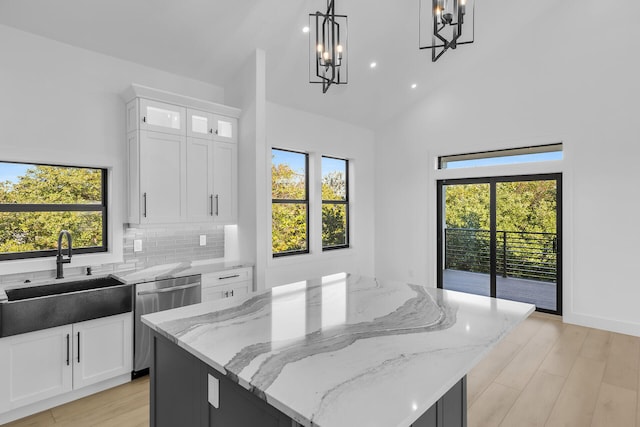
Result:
x=33 y=231
x=289 y=229
x=526 y=227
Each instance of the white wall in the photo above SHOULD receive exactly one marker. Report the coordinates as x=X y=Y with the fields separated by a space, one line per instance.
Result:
x=300 y=131
x=558 y=74
x=60 y=104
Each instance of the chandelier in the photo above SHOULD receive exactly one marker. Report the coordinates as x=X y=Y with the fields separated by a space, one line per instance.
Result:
x=445 y=24
x=328 y=50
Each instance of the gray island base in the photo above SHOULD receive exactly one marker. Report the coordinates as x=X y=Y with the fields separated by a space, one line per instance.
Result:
x=336 y=351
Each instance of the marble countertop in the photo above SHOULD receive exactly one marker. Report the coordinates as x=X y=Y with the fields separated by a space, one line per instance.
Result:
x=178 y=269
x=344 y=350
x=145 y=274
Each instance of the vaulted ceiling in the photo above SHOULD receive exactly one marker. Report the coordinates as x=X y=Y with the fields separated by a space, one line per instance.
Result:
x=209 y=40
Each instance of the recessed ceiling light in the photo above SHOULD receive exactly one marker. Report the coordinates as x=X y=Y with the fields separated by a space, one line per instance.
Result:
x=305 y=29
x=413 y=86
x=373 y=65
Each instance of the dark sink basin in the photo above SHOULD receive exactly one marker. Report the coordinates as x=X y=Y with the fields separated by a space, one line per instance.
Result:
x=61 y=288
x=32 y=308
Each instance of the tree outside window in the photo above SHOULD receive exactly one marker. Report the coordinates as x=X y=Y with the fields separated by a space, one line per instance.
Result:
x=335 y=203
x=38 y=201
x=290 y=202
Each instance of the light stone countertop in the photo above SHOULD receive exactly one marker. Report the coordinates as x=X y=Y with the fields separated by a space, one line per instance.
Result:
x=140 y=275
x=344 y=350
x=178 y=269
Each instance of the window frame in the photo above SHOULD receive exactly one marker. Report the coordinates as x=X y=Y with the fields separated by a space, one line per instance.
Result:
x=62 y=207
x=344 y=202
x=293 y=201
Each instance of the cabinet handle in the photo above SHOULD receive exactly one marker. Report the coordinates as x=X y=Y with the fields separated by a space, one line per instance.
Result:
x=78 y=347
x=217 y=205
x=144 y=119
x=228 y=277
x=211 y=131
x=216 y=131
x=231 y=292
x=144 y=198
x=68 y=349
x=211 y=205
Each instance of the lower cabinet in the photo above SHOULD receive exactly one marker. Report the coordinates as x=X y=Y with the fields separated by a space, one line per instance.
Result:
x=226 y=284
x=43 y=364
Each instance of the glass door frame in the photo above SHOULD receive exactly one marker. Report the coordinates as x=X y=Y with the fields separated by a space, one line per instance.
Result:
x=492 y=181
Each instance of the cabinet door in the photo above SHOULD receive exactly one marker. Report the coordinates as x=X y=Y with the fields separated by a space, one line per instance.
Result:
x=35 y=366
x=162 y=186
x=200 y=124
x=161 y=117
x=225 y=128
x=102 y=349
x=225 y=182
x=200 y=198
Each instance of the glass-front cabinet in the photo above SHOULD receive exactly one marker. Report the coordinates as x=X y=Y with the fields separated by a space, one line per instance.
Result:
x=201 y=124
x=161 y=117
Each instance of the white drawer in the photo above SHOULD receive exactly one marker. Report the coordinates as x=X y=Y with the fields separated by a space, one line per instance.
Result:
x=218 y=292
x=227 y=277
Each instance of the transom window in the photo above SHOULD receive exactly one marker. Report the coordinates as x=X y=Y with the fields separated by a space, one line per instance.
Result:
x=538 y=153
x=38 y=201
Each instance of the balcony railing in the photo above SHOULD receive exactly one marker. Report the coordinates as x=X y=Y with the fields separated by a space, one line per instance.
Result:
x=519 y=254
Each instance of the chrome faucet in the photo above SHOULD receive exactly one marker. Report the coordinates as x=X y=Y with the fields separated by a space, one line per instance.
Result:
x=60 y=259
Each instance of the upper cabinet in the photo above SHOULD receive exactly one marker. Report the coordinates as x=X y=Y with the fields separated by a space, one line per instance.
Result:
x=183 y=159
x=201 y=124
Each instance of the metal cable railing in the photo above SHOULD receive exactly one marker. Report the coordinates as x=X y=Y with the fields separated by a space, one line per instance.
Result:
x=526 y=255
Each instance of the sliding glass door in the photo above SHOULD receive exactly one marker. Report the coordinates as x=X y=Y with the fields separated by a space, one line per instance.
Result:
x=501 y=237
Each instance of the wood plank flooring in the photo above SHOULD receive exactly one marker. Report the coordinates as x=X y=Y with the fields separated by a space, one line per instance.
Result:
x=545 y=373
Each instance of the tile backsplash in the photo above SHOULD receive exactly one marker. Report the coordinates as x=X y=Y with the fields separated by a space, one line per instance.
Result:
x=160 y=245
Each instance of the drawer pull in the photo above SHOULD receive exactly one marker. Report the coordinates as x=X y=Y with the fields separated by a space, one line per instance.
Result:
x=228 y=277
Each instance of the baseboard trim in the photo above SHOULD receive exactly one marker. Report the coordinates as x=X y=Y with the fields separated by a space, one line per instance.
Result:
x=603 y=323
x=52 y=402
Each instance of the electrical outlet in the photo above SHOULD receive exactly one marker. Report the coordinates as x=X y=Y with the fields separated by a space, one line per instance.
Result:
x=203 y=240
x=137 y=245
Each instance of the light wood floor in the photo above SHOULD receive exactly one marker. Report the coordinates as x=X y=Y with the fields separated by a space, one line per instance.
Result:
x=545 y=373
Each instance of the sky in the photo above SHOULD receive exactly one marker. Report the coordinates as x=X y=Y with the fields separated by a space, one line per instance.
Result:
x=11 y=171
x=506 y=160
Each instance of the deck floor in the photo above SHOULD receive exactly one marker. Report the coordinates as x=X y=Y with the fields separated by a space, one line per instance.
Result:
x=542 y=294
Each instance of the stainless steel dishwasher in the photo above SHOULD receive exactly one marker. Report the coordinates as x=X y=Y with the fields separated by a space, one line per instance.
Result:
x=158 y=296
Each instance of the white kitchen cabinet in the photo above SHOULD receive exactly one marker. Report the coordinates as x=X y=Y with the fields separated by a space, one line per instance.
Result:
x=35 y=366
x=103 y=349
x=39 y=365
x=225 y=128
x=225 y=182
x=228 y=283
x=200 y=197
x=161 y=117
x=183 y=161
x=156 y=183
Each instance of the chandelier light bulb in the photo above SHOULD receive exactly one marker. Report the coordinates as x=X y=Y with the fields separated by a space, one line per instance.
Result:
x=339 y=48
x=320 y=48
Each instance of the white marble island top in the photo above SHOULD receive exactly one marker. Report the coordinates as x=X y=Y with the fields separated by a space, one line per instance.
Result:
x=344 y=350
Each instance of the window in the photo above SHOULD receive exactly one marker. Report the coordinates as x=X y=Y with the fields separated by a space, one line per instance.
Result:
x=539 y=153
x=290 y=202
x=335 y=203
x=38 y=201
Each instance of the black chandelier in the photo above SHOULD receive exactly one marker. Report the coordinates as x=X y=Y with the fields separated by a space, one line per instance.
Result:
x=328 y=51
x=442 y=23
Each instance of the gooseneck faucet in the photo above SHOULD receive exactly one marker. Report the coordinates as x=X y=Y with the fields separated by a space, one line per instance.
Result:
x=60 y=260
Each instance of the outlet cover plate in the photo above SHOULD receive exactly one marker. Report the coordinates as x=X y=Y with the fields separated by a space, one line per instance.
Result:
x=203 y=240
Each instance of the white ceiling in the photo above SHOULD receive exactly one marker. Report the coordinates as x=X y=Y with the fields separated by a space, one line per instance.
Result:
x=209 y=40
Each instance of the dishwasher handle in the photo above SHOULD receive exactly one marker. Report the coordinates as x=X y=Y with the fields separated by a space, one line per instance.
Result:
x=170 y=289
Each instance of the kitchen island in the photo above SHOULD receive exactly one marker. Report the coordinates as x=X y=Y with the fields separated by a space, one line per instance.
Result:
x=340 y=350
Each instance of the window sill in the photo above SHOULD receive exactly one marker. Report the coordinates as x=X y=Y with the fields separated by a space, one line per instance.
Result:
x=311 y=257
x=44 y=264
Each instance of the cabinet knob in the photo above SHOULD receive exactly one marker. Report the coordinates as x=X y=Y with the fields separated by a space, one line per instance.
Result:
x=216 y=131
x=211 y=130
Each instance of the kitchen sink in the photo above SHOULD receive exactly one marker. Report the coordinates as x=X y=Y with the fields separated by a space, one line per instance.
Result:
x=31 y=308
